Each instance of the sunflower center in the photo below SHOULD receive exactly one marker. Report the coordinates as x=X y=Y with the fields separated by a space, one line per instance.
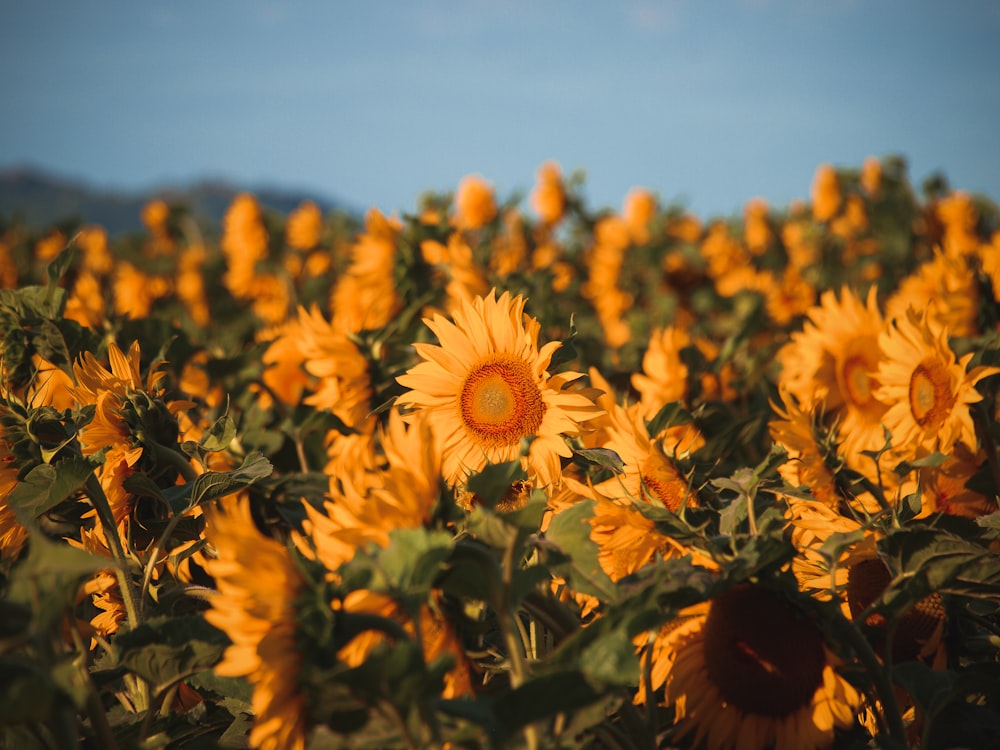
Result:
x=662 y=481
x=500 y=401
x=931 y=398
x=857 y=382
x=866 y=581
x=763 y=656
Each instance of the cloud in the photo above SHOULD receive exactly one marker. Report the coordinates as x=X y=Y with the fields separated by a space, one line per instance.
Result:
x=652 y=17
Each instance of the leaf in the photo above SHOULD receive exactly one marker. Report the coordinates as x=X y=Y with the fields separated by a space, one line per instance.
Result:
x=220 y=435
x=26 y=691
x=166 y=649
x=670 y=415
x=46 y=486
x=494 y=481
x=215 y=484
x=569 y=532
x=603 y=457
x=541 y=697
x=47 y=579
x=414 y=558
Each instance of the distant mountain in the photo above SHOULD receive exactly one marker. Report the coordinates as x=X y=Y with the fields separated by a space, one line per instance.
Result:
x=39 y=199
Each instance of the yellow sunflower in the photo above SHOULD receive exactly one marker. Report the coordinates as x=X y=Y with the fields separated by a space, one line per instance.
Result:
x=366 y=505
x=857 y=579
x=257 y=583
x=649 y=473
x=947 y=287
x=365 y=295
x=12 y=534
x=486 y=388
x=664 y=375
x=794 y=428
x=812 y=523
x=928 y=390
x=753 y=672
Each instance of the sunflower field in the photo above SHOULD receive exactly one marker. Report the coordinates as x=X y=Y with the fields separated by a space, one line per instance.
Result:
x=506 y=473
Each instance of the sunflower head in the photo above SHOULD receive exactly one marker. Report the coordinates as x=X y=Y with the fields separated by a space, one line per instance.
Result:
x=486 y=387
x=755 y=672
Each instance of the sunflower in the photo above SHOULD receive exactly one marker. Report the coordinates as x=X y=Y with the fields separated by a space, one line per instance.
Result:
x=812 y=523
x=929 y=390
x=826 y=195
x=128 y=417
x=365 y=295
x=475 y=204
x=12 y=534
x=794 y=428
x=548 y=199
x=244 y=243
x=664 y=375
x=366 y=505
x=649 y=474
x=486 y=388
x=436 y=634
x=340 y=369
x=257 y=583
x=304 y=226
x=947 y=287
x=833 y=360
x=753 y=672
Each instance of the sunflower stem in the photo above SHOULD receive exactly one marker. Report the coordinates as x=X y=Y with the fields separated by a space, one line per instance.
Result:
x=98 y=717
x=171 y=457
x=147 y=576
x=513 y=633
x=879 y=674
x=107 y=518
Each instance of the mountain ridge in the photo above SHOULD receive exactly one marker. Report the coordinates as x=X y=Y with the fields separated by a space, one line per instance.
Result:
x=39 y=198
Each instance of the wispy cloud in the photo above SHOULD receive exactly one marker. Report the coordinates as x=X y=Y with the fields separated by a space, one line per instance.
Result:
x=651 y=17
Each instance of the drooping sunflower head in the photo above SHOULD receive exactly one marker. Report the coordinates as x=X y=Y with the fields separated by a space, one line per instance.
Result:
x=486 y=388
x=757 y=674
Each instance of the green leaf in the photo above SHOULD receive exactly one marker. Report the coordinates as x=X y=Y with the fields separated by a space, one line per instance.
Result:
x=215 y=484
x=670 y=415
x=167 y=649
x=46 y=486
x=414 y=558
x=47 y=579
x=220 y=435
x=494 y=481
x=603 y=457
x=569 y=532
x=540 y=698
x=26 y=691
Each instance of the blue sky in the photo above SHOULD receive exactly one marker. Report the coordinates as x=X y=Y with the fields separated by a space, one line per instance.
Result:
x=708 y=104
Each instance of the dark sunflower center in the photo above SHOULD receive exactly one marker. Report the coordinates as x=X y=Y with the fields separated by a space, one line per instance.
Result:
x=500 y=401
x=866 y=580
x=763 y=656
x=931 y=398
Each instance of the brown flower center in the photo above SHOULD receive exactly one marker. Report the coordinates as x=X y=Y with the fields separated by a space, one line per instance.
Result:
x=763 y=656
x=500 y=401
x=931 y=398
x=866 y=580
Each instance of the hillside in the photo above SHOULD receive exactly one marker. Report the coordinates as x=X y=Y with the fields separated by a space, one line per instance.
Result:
x=38 y=198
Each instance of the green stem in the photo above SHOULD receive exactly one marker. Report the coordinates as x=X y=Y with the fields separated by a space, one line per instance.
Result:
x=178 y=460
x=511 y=634
x=107 y=519
x=878 y=673
x=98 y=718
x=154 y=557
